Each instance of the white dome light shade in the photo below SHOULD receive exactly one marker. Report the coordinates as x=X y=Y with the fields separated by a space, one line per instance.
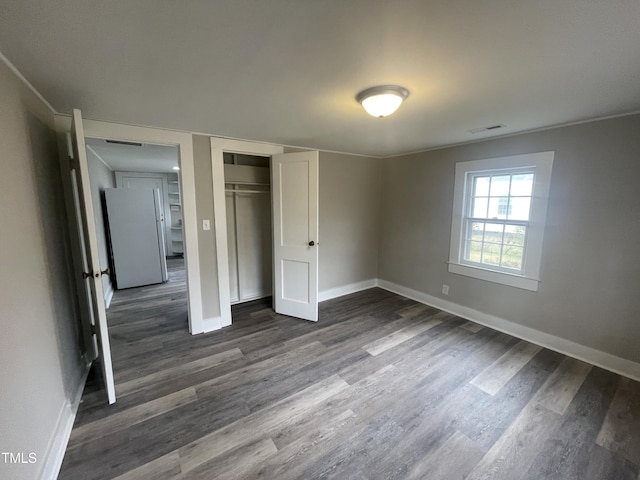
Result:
x=383 y=100
x=381 y=105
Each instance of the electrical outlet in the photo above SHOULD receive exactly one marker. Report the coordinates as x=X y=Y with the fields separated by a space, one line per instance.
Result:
x=206 y=225
x=445 y=289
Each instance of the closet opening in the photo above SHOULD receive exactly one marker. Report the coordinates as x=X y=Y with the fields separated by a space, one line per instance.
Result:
x=247 y=181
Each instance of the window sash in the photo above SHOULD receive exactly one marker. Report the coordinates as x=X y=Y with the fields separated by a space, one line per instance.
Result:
x=468 y=220
x=467 y=239
x=470 y=192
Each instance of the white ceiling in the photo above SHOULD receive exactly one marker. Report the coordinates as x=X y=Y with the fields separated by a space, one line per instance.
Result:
x=287 y=71
x=133 y=158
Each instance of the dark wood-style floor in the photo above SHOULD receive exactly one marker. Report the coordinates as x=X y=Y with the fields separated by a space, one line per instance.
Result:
x=380 y=388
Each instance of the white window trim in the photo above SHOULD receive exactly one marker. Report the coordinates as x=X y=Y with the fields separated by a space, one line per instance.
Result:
x=530 y=278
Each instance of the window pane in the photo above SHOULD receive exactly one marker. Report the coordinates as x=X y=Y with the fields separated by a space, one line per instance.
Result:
x=479 y=209
x=491 y=254
x=503 y=206
x=473 y=251
x=476 y=232
x=512 y=257
x=520 y=207
x=522 y=185
x=493 y=232
x=481 y=186
x=514 y=235
x=498 y=207
x=500 y=186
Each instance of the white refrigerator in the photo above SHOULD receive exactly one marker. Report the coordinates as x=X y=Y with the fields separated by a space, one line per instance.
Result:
x=136 y=233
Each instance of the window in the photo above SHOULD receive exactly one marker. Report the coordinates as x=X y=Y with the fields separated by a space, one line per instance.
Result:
x=498 y=218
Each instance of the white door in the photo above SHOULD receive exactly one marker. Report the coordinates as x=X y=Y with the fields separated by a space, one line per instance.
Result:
x=159 y=181
x=135 y=231
x=91 y=262
x=294 y=185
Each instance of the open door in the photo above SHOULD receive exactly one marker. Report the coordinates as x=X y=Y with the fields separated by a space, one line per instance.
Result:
x=294 y=184
x=89 y=243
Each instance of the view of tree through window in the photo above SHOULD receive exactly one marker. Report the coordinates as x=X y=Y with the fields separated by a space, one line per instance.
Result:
x=497 y=219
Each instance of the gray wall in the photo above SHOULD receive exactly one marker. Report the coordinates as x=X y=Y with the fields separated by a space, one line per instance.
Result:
x=591 y=260
x=349 y=219
x=100 y=177
x=40 y=360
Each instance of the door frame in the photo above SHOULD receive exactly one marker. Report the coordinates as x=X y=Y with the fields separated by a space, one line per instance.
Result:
x=184 y=142
x=218 y=147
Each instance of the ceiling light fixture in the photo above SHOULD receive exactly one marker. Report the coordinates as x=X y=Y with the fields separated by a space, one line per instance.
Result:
x=176 y=168
x=383 y=100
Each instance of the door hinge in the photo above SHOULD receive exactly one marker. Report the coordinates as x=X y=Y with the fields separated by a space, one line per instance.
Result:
x=106 y=271
x=93 y=329
x=69 y=146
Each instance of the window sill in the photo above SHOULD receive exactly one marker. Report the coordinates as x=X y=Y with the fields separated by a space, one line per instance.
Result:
x=516 y=281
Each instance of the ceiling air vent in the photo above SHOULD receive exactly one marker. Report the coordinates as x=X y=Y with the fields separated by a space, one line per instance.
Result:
x=486 y=129
x=122 y=142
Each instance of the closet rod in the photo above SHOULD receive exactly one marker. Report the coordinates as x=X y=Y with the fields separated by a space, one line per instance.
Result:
x=244 y=183
x=246 y=191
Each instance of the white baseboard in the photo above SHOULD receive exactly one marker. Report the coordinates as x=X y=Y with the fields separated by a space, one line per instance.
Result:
x=108 y=293
x=590 y=355
x=62 y=433
x=346 y=289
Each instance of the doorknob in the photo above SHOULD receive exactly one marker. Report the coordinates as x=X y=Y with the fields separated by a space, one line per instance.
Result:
x=312 y=243
x=106 y=271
